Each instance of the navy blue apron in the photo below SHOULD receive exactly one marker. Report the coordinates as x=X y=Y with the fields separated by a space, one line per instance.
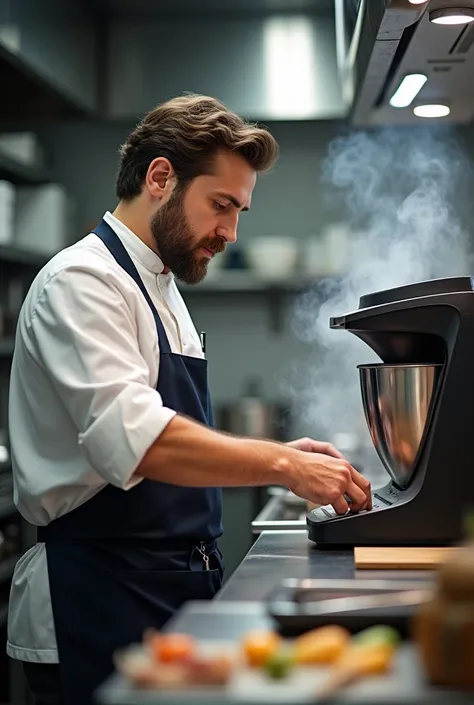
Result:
x=127 y=560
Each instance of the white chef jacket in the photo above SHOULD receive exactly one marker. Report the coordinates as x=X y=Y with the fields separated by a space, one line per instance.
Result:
x=83 y=406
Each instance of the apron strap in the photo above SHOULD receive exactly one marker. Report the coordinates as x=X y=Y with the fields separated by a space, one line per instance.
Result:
x=121 y=256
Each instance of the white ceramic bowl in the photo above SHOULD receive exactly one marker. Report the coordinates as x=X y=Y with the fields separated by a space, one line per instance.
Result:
x=272 y=257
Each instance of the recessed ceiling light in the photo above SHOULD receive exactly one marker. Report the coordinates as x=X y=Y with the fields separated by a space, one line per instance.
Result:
x=418 y=2
x=431 y=111
x=408 y=90
x=452 y=15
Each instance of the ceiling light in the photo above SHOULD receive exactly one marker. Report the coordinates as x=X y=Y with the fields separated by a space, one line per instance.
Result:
x=408 y=90
x=452 y=15
x=431 y=111
x=418 y=2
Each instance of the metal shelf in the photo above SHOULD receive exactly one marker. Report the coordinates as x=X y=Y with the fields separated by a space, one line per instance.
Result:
x=35 y=95
x=20 y=174
x=238 y=282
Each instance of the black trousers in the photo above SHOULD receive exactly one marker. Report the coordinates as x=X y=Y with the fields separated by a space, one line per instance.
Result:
x=44 y=683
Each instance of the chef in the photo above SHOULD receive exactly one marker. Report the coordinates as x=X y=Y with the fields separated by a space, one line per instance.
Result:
x=114 y=458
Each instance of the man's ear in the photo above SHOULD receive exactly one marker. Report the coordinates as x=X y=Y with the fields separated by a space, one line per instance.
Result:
x=160 y=178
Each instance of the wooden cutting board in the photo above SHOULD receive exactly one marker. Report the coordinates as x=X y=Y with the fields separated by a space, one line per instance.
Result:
x=404 y=558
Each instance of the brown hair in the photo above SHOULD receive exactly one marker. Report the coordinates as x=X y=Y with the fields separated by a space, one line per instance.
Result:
x=189 y=130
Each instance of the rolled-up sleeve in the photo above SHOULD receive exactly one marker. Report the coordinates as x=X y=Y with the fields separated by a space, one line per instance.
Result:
x=84 y=333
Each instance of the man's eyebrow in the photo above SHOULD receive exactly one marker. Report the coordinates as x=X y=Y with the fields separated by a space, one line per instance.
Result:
x=233 y=200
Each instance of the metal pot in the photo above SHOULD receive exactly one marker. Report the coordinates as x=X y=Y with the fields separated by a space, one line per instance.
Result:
x=252 y=416
x=397 y=401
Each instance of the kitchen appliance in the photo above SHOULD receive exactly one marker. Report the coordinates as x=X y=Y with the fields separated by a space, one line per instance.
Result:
x=381 y=42
x=418 y=405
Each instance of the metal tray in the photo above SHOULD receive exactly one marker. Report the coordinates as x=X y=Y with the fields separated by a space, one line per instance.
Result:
x=299 y=605
x=284 y=511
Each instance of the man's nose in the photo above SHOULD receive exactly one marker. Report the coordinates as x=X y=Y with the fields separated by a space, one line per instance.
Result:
x=228 y=230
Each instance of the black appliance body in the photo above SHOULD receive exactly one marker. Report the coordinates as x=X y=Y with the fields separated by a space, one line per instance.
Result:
x=427 y=322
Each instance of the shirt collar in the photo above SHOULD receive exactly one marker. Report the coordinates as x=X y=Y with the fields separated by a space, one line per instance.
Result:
x=136 y=247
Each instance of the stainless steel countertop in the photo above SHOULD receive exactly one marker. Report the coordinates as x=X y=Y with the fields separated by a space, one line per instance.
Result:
x=277 y=555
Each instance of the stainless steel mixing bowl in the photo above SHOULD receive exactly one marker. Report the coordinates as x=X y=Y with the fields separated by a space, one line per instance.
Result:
x=397 y=401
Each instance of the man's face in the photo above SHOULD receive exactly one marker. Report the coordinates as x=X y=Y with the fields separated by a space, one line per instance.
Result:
x=196 y=223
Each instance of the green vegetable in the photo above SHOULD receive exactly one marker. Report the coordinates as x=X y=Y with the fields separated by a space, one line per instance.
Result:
x=377 y=635
x=279 y=665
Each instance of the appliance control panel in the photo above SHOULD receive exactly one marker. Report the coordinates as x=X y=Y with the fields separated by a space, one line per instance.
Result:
x=381 y=499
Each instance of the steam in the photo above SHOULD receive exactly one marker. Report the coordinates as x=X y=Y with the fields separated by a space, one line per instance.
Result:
x=399 y=189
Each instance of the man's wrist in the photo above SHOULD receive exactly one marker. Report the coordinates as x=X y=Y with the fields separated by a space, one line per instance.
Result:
x=283 y=466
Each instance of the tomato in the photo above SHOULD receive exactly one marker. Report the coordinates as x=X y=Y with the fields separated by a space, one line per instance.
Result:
x=172 y=648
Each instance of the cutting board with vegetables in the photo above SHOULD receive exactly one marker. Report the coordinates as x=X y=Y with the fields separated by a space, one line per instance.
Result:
x=260 y=668
x=404 y=557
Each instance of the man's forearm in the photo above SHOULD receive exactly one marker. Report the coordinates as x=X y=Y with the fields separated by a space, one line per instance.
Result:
x=189 y=454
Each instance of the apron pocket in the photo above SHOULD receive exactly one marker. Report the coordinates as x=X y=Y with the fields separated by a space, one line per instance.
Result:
x=155 y=596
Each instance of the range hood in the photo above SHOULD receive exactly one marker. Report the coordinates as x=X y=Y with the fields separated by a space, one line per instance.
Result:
x=380 y=42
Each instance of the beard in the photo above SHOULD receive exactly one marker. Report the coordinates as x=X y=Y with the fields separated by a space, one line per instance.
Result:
x=177 y=243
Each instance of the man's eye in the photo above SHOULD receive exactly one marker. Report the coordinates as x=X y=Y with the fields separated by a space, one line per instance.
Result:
x=219 y=206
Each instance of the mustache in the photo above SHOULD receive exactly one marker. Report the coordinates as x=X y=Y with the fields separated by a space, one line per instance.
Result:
x=212 y=245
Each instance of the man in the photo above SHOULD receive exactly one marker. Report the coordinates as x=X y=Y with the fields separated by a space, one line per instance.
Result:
x=113 y=457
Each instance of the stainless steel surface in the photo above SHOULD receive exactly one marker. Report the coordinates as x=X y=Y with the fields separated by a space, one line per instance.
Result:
x=397 y=401
x=249 y=70
x=320 y=590
x=281 y=555
x=284 y=511
x=337 y=605
x=152 y=8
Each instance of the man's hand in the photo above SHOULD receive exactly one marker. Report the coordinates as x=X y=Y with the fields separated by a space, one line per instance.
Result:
x=323 y=476
x=311 y=446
